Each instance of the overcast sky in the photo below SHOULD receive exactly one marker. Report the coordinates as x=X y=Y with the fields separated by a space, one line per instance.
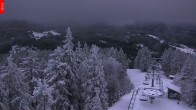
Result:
x=109 y=11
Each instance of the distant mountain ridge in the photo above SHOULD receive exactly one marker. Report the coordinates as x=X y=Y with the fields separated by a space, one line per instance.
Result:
x=130 y=38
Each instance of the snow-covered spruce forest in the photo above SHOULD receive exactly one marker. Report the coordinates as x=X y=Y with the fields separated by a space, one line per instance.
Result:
x=173 y=62
x=83 y=77
x=71 y=77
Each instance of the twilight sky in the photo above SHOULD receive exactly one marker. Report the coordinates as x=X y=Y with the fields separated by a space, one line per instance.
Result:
x=108 y=11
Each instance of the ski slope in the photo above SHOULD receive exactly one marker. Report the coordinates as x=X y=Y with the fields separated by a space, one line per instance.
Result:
x=161 y=103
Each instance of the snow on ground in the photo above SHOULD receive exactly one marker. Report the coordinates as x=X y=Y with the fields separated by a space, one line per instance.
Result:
x=154 y=37
x=184 y=49
x=157 y=38
x=139 y=45
x=54 y=33
x=103 y=41
x=38 y=35
x=162 y=41
x=161 y=103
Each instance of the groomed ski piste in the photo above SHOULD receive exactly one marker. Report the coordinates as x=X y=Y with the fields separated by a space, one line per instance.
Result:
x=159 y=103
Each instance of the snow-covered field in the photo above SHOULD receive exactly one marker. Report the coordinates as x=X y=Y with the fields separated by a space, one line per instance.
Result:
x=39 y=35
x=161 y=103
x=185 y=49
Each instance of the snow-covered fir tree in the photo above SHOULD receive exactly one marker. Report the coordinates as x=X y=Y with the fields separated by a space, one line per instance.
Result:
x=112 y=70
x=14 y=91
x=56 y=72
x=42 y=94
x=31 y=67
x=18 y=53
x=143 y=59
x=93 y=82
x=62 y=68
x=27 y=59
x=114 y=63
x=79 y=53
x=112 y=52
x=123 y=59
x=177 y=61
x=172 y=61
x=70 y=58
x=187 y=80
x=86 y=51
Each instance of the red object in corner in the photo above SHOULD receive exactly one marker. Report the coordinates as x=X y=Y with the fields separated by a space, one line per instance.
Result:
x=2 y=6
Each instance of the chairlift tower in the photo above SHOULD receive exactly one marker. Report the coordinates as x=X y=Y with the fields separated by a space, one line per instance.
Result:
x=153 y=68
x=155 y=88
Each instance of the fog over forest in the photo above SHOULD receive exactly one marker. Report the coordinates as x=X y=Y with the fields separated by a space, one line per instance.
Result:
x=98 y=55
x=102 y=11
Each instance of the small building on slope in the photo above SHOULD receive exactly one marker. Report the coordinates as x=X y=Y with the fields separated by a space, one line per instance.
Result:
x=174 y=92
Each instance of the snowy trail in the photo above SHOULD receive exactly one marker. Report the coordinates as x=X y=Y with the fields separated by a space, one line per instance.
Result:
x=162 y=103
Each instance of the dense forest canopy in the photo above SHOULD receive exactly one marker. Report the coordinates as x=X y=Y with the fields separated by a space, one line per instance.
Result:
x=63 y=79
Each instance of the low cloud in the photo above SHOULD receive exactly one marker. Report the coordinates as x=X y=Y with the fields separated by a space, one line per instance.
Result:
x=107 y=11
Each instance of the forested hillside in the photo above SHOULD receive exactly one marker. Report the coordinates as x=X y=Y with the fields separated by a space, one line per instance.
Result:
x=84 y=78
x=131 y=38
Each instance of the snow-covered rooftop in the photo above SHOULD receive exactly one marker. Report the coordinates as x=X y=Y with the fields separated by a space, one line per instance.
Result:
x=170 y=85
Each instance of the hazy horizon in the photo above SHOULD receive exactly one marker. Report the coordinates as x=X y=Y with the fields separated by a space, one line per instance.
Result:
x=117 y=12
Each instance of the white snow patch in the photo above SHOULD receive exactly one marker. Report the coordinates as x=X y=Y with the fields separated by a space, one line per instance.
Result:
x=184 y=48
x=162 y=41
x=54 y=33
x=161 y=103
x=156 y=38
x=103 y=41
x=38 y=35
x=139 y=45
